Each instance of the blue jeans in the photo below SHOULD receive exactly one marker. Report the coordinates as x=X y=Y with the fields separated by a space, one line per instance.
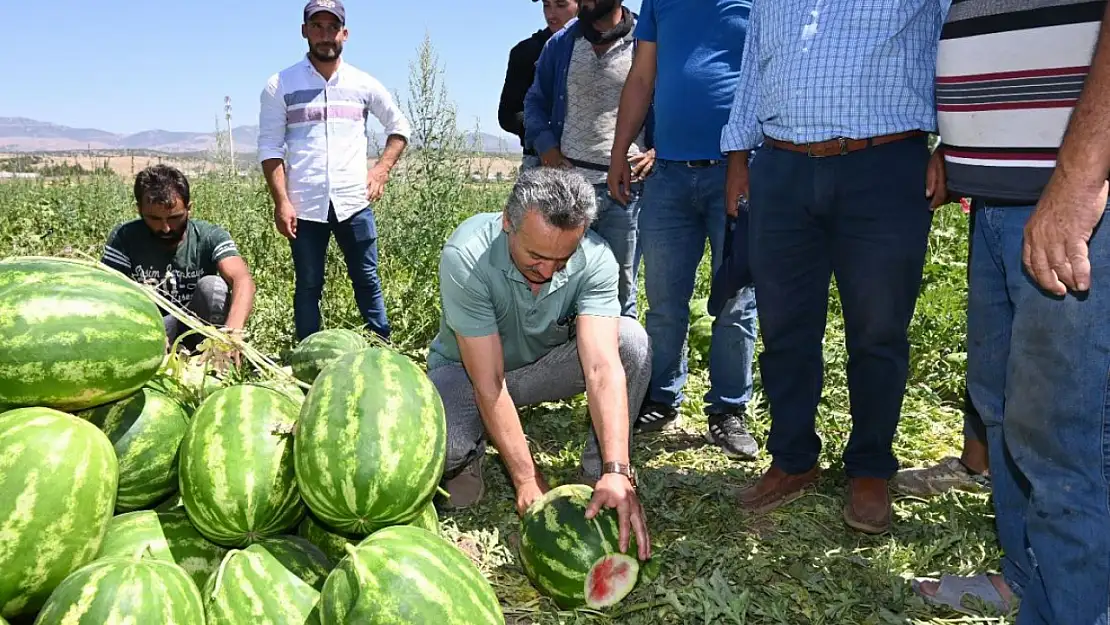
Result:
x=862 y=217
x=681 y=207
x=358 y=240
x=617 y=225
x=1038 y=371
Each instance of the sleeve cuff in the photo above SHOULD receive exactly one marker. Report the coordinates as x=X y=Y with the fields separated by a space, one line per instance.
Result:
x=267 y=154
x=473 y=331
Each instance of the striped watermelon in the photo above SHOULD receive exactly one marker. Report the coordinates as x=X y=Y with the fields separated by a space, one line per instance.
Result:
x=146 y=429
x=574 y=560
x=371 y=442
x=74 y=336
x=317 y=350
x=289 y=389
x=168 y=536
x=302 y=558
x=58 y=480
x=406 y=574
x=251 y=586
x=332 y=544
x=236 y=476
x=125 y=590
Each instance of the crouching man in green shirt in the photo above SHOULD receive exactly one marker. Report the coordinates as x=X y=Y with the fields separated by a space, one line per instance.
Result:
x=531 y=314
x=193 y=263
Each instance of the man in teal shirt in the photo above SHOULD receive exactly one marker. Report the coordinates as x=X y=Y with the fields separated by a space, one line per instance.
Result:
x=530 y=315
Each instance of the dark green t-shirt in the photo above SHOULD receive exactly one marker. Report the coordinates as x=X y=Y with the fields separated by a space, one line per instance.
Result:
x=133 y=250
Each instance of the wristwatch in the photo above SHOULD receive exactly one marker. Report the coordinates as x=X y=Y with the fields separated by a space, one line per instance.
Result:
x=623 y=469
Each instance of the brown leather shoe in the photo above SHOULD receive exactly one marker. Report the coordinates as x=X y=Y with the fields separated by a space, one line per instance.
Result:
x=466 y=488
x=776 y=488
x=868 y=506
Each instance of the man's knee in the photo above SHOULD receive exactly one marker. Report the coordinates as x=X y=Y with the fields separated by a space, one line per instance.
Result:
x=635 y=348
x=211 y=299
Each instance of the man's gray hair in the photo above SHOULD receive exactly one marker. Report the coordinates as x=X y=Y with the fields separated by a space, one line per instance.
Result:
x=562 y=196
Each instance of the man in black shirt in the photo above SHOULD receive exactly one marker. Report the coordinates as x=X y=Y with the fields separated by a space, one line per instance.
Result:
x=521 y=71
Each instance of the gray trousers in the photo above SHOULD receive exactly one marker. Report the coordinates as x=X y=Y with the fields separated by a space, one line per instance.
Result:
x=211 y=303
x=556 y=376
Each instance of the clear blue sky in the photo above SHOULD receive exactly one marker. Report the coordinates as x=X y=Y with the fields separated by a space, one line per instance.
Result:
x=127 y=66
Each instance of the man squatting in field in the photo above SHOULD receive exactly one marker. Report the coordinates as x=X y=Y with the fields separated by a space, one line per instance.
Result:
x=531 y=314
x=312 y=143
x=193 y=263
x=521 y=71
x=570 y=116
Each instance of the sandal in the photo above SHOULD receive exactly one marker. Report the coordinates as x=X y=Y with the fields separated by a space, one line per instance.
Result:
x=949 y=473
x=955 y=589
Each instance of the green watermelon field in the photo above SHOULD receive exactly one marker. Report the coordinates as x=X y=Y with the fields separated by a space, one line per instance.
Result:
x=798 y=565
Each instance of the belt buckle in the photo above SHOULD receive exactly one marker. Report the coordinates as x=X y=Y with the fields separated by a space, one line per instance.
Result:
x=841 y=141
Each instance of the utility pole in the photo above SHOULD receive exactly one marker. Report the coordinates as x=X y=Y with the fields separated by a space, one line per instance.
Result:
x=230 y=140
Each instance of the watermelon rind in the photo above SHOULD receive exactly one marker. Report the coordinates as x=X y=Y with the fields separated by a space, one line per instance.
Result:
x=58 y=481
x=164 y=535
x=371 y=442
x=237 y=474
x=406 y=574
x=321 y=348
x=125 y=590
x=300 y=557
x=74 y=336
x=331 y=543
x=146 y=430
x=251 y=586
x=559 y=546
x=610 y=580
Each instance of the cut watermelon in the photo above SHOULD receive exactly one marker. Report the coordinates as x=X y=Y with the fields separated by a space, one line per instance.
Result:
x=610 y=580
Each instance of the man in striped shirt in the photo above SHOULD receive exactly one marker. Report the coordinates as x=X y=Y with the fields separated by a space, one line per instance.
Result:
x=1023 y=95
x=841 y=96
x=313 y=145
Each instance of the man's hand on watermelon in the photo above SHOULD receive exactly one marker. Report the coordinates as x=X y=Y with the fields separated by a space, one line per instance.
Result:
x=528 y=490
x=614 y=490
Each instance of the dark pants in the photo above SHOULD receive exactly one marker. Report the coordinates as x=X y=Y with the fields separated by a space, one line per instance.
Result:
x=863 y=218
x=210 y=303
x=358 y=240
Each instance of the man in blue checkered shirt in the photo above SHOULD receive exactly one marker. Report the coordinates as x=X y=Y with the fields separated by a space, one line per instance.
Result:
x=840 y=94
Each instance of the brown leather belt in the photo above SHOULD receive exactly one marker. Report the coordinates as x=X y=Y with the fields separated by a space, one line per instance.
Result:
x=841 y=145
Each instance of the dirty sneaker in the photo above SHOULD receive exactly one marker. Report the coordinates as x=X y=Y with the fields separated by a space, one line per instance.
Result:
x=730 y=432
x=655 y=417
x=949 y=473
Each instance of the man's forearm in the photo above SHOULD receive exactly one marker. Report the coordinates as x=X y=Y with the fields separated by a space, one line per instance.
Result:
x=634 y=104
x=502 y=423
x=242 y=301
x=606 y=391
x=1084 y=156
x=394 y=146
x=274 y=171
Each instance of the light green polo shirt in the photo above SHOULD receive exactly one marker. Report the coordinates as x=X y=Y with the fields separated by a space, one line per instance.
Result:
x=482 y=293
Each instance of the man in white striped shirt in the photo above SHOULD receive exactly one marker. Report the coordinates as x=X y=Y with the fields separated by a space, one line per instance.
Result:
x=313 y=146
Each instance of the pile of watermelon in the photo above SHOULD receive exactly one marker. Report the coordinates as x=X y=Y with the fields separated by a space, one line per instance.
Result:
x=130 y=492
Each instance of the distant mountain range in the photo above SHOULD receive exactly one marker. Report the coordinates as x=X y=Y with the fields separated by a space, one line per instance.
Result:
x=19 y=134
